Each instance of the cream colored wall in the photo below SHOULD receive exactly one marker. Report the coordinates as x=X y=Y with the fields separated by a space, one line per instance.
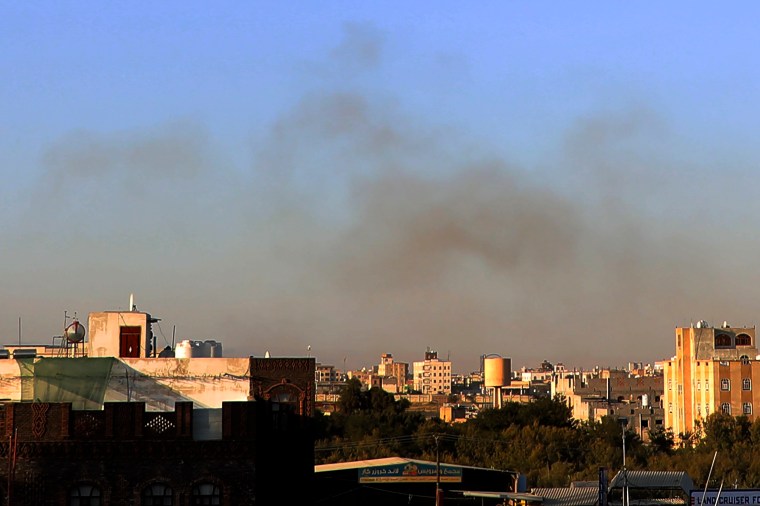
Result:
x=160 y=382
x=10 y=380
x=103 y=329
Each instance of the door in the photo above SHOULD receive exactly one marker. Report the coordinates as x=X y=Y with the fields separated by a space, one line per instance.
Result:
x=129 y=342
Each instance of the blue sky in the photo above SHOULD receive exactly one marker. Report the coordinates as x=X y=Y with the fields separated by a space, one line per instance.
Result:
x=370 y=178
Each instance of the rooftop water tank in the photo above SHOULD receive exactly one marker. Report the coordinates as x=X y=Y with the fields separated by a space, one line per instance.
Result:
x=75 y=332
x=184 y=349
x=212 y=349
x=497 y=372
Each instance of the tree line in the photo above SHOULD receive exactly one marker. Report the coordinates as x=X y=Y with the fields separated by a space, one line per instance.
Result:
x=539 y=439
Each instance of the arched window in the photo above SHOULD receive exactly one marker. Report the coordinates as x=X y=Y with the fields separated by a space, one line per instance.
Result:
x=84 y=495
x=206 y=494
x=744 y=359
x=722 y=341
x=157 y=494
x=746 y=384
x=726 y=408
x=743 y=340
x=285 y=400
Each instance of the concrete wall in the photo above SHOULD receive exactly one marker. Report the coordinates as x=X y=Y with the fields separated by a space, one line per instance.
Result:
x=160 y=382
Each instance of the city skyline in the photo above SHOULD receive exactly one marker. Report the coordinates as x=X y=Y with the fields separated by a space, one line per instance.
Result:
x=539 y=181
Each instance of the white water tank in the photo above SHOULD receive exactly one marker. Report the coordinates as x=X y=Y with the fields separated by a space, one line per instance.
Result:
x=645 y=401
x=497 y=372
x=184 y=349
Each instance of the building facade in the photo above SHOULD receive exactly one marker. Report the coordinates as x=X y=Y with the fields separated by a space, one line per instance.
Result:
x=432 y=375
x=713 y=370
x=394 y=372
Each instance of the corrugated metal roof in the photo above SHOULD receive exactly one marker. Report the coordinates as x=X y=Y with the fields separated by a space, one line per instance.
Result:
x=568 y=496
x=389 y=461
x=654 y=480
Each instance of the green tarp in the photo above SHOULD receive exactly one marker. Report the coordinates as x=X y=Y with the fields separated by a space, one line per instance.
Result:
x=80 y=381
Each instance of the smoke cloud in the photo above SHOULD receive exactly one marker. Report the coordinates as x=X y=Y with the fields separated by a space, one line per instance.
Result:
x=359 y=229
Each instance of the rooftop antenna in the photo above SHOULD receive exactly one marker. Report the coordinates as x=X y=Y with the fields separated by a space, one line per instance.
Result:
x=174 y=330
x=19 y=331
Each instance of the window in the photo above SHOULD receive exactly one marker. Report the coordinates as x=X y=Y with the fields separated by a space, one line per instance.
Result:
x=698 y=385
x=84 y=495
x=744 y=359
x=158 y=494
x=707 y=409
x=743 y=340
x=746 y=384
x=707 y=386
x=722 y=341
x=747 y=408
x=670 y=384
x=670 y=407
x=699 y=409
x=206 y=494
x=725 y=384
x=725 y=408
x=680 y=388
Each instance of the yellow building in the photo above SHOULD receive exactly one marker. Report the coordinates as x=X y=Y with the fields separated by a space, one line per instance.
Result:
x=713 y=370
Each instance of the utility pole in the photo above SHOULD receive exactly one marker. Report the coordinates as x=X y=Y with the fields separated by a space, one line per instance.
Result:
x=437 y=473
x=626 y=501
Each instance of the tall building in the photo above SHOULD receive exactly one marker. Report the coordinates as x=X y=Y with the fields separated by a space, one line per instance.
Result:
x=432 y=376
x=713 y=369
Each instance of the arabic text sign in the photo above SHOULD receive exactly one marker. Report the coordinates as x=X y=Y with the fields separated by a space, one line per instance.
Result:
x=410 y=472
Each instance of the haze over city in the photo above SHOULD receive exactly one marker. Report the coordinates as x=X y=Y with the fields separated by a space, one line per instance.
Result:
x=539 y=180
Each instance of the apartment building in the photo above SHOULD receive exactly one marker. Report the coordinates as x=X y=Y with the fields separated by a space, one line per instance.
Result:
x=713 y=370
x=432 y=375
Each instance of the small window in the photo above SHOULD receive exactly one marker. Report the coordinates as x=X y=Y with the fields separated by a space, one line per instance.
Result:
x=699 y=409
x=670 y=384
x=747 y=408
x=707 y=409
x=158 y=494
x=206 y=494
x=670 y=407
x=725 y=408
x=725 y=384
x=746 y=384
x=698 y=385
x=84 y=495
x=707 y=386
x=744 y=359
